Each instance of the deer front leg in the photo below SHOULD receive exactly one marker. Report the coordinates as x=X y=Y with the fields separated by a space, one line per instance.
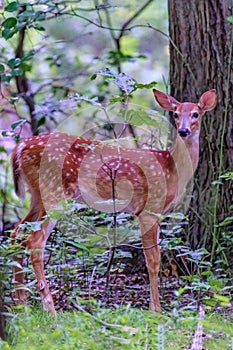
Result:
x=153 y=264
x=36 y=244
x=38 y=266
x=150 y=238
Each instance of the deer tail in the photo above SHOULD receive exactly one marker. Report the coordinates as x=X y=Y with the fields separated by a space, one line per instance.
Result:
x=17 y=170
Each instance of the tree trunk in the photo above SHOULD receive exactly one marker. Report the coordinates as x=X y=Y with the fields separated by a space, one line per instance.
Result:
x=200 y=59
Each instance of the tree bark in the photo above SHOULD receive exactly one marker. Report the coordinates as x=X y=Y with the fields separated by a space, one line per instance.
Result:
x=201 y=60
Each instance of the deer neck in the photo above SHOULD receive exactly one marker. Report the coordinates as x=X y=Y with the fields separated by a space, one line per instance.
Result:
x=185 y=154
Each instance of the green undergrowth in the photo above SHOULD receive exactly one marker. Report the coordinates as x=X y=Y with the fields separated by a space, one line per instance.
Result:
x=122 y=328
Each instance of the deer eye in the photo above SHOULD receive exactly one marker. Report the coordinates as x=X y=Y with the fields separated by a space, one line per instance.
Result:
x=195 y=115
x=176 y=115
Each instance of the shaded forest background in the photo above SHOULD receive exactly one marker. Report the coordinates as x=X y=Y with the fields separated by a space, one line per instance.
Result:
x=59 y=58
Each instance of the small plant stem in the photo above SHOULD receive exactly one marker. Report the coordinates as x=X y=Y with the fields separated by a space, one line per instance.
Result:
x=113 y=247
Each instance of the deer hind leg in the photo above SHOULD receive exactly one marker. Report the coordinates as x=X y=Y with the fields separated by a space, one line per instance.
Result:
x=150 y=242
x=36 y=244
x=18 y=236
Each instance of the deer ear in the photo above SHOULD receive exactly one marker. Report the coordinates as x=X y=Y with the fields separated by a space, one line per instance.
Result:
x=166 y=101
x=208 y=100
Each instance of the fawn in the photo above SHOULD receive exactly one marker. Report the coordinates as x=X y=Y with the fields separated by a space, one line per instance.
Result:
x=109 y=178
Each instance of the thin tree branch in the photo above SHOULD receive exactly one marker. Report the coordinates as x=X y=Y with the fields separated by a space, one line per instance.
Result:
x=133 y=17
x=148 y=25
x=22 y=81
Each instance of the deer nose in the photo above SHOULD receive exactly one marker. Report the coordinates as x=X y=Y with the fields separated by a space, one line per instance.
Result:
x=184 y=132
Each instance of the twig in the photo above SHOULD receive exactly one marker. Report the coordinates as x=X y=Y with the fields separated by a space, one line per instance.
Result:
x=103 y=323
x=91 y=280
x=22 y=81
x=133 y=17
x=112 y=248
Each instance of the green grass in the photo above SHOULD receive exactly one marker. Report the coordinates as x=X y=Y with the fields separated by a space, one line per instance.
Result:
x=123 y=328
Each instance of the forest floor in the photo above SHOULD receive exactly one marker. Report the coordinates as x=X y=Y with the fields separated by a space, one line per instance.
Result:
x=92 y=316
x=123 y=289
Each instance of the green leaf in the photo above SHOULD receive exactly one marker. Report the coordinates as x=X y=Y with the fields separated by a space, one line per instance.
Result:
x=8 y=33
x=25 y=67
x=93 y=101
x=145 y=86
x=216 y=183
x=227 y=176
x=2 y=68
x=37 y=27
x=18 y=124
x=6 y=77
x=31 y=16
x=9 y=23
x=14 y=62
x=226 y=221
x=13 y=6
x=17 y=138
x=31 y=226
x=222 y=298
x=230 y=19
x=116 y=99
x=114 y=57
x=129 y=44
x=17 y=72
x=41 y=121
x=207 y=273
x=7 y=133
x=177 y=216
x=181 y=290
x=107 y=73
x=2 y=149
x=210 y=302
x=13 y=99
x=28 y=56
x=142 y=56
x=93 y=77
x=140 y=117
x=56 y=213
x=75 y=244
